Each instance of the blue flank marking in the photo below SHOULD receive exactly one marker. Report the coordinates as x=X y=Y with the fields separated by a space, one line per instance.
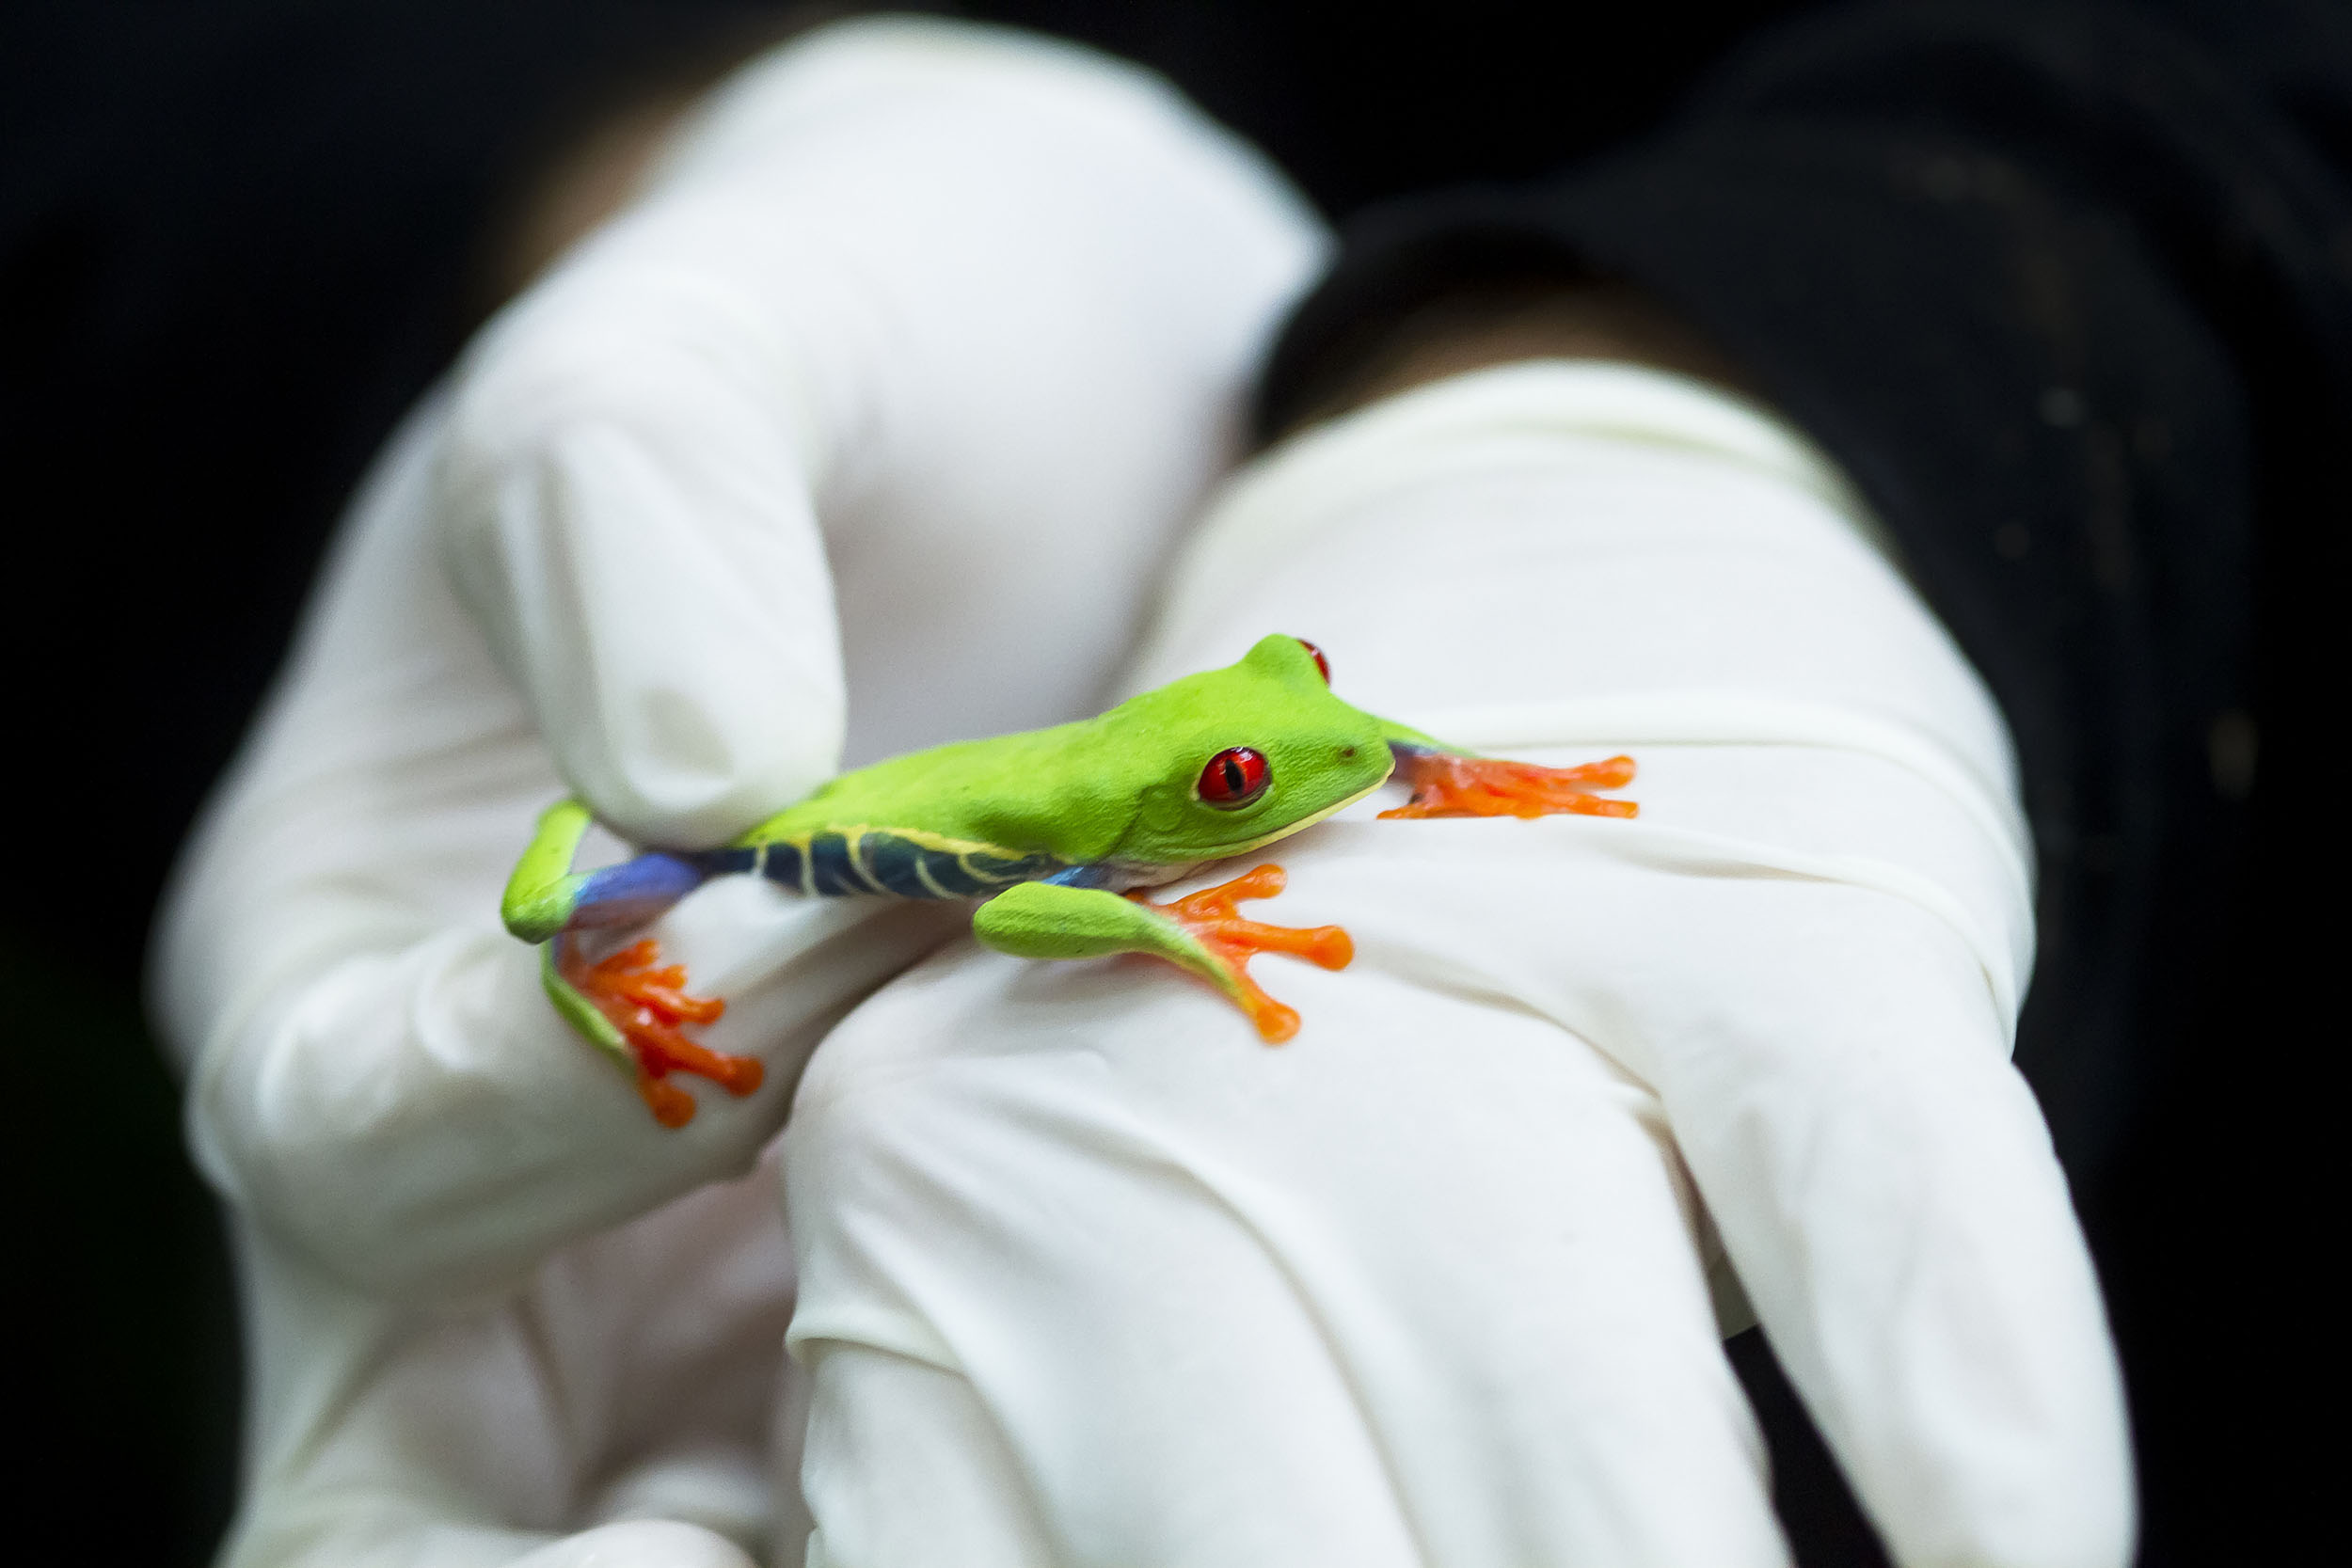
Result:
x=894 y=862
x=727 y=862
x=879 y=863
x=835 y=875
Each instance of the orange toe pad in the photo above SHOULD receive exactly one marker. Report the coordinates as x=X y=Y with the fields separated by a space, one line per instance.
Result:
x=648 y=1005
x=1448 y=785
x=1210 y=919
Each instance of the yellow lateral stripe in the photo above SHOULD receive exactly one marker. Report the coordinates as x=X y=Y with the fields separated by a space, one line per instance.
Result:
x=852 y=844
x=923 y=875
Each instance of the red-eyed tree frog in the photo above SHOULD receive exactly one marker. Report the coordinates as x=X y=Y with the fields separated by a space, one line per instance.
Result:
x=1055 y=828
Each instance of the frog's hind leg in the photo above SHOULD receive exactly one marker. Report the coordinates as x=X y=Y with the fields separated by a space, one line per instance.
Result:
x=627 y=1003
x=1450 y=784
x=1200 y=932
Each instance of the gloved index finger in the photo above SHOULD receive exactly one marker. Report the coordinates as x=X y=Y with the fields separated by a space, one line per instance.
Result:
x=626 y=511
x=970 y=301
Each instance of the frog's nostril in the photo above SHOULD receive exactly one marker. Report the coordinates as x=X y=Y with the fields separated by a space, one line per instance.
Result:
x=1346 y=752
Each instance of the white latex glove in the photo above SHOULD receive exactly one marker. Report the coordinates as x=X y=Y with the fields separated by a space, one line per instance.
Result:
x=979 y=308
x=1089 y=1276
x=960 y=317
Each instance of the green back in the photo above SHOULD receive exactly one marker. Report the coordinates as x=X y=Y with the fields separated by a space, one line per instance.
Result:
x=1123 y=787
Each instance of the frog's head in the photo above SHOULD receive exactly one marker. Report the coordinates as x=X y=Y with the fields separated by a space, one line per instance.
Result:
x=1231 y=759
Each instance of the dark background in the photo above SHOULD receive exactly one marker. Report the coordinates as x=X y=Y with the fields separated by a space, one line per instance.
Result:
x=237 y=237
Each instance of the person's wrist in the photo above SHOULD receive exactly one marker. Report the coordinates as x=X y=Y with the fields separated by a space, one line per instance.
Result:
x=594 y=161
x=1484 y=324
x=1490 y=324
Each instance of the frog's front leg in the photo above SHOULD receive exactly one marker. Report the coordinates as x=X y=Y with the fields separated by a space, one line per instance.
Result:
x=1200 y=932
x=629 y=1004
x=1450 y=782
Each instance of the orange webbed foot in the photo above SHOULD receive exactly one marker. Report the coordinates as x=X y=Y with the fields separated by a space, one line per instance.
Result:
x=1448 y=785
x=1210 y=919
x=647 y=1004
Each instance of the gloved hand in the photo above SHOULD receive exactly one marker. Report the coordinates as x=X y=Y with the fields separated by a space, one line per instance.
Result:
x=864 y=428
x=962 y=319
x=1090 y=1276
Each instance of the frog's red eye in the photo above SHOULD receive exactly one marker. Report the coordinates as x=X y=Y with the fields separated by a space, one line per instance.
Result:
x=1321 y=663
x=1235 y=778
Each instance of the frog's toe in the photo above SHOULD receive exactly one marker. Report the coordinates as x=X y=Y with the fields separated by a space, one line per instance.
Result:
x=1445 y=784
x=1220 y=943
x=647 y=1003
